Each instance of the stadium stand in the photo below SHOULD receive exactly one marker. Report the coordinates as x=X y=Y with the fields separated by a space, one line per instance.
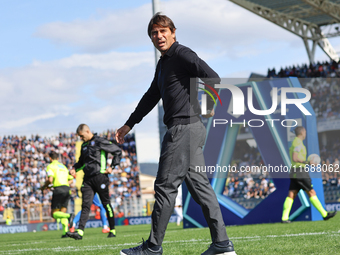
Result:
x=325 y=92
x=124 y=181
x=248 y=188
x=324 y=69
x=330 y=156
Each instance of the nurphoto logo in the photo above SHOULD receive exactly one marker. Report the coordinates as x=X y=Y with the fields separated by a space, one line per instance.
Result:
x=238 y=104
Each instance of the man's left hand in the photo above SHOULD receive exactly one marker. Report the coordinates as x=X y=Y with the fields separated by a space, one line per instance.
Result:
x=209 y=115
x=120 y=133
x=108 y=170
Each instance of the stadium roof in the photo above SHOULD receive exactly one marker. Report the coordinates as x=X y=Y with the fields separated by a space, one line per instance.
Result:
x=306 y=10
x=308 y=19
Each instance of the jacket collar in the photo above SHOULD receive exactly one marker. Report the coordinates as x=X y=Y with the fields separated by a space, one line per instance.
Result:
x=172 y=49
x=93 y=137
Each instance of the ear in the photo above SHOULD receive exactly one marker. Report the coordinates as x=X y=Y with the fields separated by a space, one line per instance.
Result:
x=173 y=34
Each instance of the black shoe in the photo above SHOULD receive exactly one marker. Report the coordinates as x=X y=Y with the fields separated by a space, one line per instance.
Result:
x=70 y=220
x=215 y=249
x=330 y=215
x=286 y=221
x=142 y=249
x=64 y=236
x=74 y=235
x=111 y=235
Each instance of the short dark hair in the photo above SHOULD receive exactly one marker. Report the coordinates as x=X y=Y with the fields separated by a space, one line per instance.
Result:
x=53 y=155
x=298 y=130
x=81 y=127
x=161 y=20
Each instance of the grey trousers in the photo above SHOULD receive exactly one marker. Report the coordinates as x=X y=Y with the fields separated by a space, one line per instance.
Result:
x=181 y=152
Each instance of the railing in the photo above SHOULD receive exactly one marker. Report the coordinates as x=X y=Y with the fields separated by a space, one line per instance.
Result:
x=132 y=206
x=38 y=213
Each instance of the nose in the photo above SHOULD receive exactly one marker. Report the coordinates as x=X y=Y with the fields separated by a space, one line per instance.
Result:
x=157 y=35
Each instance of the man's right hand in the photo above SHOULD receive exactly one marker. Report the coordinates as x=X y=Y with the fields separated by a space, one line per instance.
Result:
x=121 y=133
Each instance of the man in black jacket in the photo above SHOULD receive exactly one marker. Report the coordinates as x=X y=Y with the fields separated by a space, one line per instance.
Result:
x=182 y=144
x=92 y=161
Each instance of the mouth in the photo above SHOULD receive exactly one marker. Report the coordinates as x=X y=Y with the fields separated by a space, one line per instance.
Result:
x=161 y=44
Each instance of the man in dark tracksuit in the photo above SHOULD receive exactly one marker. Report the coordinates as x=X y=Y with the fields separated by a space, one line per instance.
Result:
x=92 y=161
x=182 y=144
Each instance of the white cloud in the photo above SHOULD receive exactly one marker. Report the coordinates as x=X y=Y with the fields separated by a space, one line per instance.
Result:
x=102 y=32
x=216 y=26
x=218 y=30
x=25 y=121
x=118 y=61
x=93 y=87
x=114 y=114
x=222 y=27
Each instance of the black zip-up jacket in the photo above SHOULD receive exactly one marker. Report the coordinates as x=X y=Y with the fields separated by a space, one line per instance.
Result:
x=93 y=156
x=172 y=83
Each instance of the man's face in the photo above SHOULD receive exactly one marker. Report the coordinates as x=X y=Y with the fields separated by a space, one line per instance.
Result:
x=162 y=38
x=85 y=135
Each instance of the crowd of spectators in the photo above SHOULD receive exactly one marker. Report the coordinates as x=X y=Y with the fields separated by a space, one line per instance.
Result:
x=30 y=155
x=324 y=69
x=321 y=82
x=124 y=181
x=330 y=165
x=243 y=186
x=249 y=186
x=326 y=99
x=246 y=185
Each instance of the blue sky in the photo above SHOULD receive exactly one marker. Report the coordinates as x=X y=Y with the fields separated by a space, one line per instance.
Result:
x=69 y=62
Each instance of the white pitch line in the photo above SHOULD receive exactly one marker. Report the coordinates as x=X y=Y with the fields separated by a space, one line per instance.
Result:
x=207 y=241
x=287 y=235
x=17 y=244
x=57 y=249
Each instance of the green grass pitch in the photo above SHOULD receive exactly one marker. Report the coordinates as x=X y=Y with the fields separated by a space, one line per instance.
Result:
x=321 y=237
